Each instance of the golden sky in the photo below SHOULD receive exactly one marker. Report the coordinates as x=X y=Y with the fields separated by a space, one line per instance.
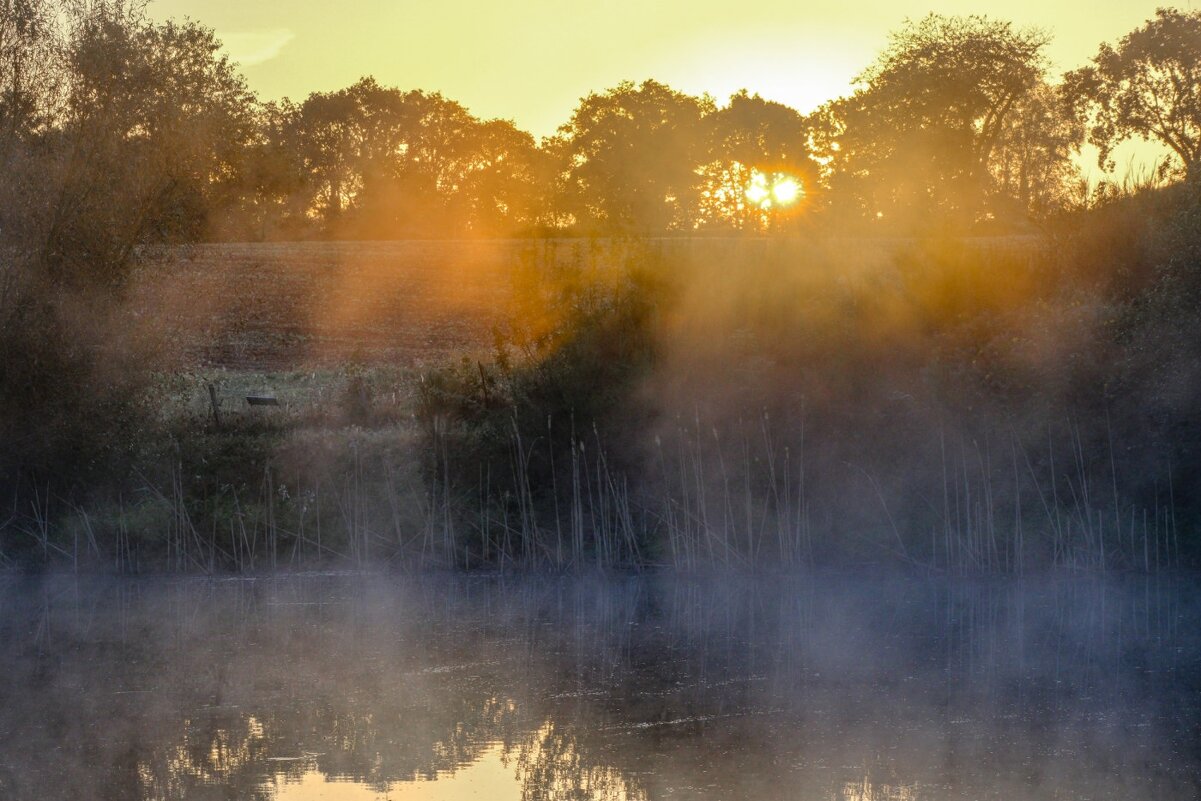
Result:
x=531 y=60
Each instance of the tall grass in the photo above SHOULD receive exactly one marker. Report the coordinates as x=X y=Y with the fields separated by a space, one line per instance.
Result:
x=705 y=499
x=966 y=408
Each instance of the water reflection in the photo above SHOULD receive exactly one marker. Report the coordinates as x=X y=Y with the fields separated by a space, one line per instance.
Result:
x=403 y=688
x=538 y=769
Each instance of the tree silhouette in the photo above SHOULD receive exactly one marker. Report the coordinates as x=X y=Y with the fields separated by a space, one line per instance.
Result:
x=918 y=141
x=1148 y=86
x=376 y=162
x=30 y=47
x=130 y=134
x=1031 y=166
x=149 y=137
x=752 y=137
x=505 y=185
x=628 y=159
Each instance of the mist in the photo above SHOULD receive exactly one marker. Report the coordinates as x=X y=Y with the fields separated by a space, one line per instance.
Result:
x=356 y=445
x=637 y=688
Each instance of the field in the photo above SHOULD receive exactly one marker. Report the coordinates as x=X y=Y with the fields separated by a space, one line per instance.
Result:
x=325 y=326
x=279 y=306
x=781 y=401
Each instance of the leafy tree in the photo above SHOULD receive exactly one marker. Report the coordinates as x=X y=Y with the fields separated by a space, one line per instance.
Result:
x=379 y=162
x=628 y=158
x=919 y=141
x=1148 y=86
x=150 y=136
x=268 y=198
x=452 y=173
x=128 y=138
x=752 y=139
x=31 y=51
x=1031 y=167
x=505 y=187
x=325 y=123
x=30 y=47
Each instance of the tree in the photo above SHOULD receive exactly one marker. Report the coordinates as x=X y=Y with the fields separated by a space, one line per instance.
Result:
x=1148 y=86
x=30 y=48
x=755 y=146
x=377 y=162
x=473 y=177
x=130 y=133
x=1031 y=167
x=268 y=198
x=326 y=131
x=920 y=139
x=628 y=158
x=504 y=187
x=150 y=136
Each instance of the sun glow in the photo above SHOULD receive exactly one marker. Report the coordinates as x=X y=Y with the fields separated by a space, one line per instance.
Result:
x=786 y=191
x=766 y=191
x=757 y=192
x=738 y=196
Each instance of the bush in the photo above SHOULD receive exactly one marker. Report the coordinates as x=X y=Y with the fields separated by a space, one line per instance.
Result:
x=507 y=433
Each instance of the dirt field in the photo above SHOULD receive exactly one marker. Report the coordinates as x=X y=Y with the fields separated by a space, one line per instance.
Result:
x=279 y=306
x=275 y=306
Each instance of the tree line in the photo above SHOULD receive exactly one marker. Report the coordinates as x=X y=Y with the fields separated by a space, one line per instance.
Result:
x=119 y=131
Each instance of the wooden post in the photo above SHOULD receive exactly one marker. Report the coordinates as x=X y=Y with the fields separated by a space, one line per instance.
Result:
x=216 y=404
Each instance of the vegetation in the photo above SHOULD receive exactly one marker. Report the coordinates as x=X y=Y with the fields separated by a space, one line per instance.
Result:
x=1148 y=86
x=784 y=341
x=956 y=125
x=949 y=405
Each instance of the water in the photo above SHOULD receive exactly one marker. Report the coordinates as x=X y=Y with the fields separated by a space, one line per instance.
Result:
x=481 y=688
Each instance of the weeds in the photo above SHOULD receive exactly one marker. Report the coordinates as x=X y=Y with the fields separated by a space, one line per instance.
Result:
x=964 y=408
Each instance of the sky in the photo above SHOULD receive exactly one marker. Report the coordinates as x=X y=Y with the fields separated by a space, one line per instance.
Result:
x=531 y=61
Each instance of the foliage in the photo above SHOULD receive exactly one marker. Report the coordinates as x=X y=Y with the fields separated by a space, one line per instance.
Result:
x=375 y=162
x=140 y=127
x=29 y=82
x=752 y=136
x=562 y=379
x=950 y=107
x=628 y=159
x=956 y=125
x=121 y=137
x=153 y=127
x=1148 y=86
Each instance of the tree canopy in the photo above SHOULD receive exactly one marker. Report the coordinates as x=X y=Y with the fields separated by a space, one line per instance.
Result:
x=1149 y=86
x=931 y=133
x=120 y=132
x=628 y=158
x=957 y=125
x=755 y=146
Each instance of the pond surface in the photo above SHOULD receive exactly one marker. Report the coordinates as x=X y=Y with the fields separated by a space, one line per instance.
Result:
x=347 y=687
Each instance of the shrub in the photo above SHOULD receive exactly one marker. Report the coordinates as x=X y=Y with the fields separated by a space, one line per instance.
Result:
x=507 y=432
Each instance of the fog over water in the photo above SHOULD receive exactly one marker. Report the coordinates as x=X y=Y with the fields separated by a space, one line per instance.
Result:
x=829 y=687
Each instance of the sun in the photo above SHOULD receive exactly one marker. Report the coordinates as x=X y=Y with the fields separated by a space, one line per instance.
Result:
x=786 y=190
x=778 y=189
x=758 y=192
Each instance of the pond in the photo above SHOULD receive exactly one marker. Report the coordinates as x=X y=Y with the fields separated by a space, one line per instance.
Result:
x=834 y=687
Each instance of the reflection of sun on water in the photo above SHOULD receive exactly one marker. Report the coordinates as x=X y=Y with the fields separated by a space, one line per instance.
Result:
x=486 y=778
x=544 y=762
